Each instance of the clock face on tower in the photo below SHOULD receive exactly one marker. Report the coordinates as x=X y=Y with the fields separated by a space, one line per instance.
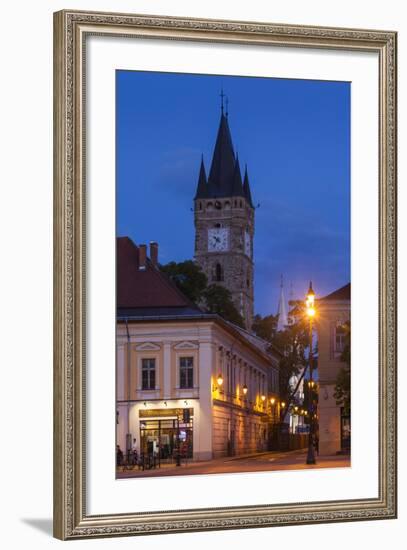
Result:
x=247 y=244
x=218 y=239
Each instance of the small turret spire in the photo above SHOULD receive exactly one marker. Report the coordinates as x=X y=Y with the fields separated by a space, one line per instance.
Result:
x=246 y=188
x=282 y=321
x=201 y=190
x=237 y=187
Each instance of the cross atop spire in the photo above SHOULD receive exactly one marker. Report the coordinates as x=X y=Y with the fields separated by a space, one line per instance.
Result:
x=222 y=95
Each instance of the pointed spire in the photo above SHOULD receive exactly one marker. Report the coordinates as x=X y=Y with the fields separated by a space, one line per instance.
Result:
x=201 y=190
x=282 y=321
x=237 y=187
x=246 y=187
x=223 y=161
x=225 y=177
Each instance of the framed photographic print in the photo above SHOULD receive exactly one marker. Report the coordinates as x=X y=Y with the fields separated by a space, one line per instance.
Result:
x=225 y=274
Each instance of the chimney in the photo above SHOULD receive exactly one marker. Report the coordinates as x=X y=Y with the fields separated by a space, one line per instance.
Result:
x=154 y=253
x=142 y=257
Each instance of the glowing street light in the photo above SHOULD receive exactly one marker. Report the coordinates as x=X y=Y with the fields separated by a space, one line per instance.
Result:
x=310 y=300
x=311 y=312
x=310 y=305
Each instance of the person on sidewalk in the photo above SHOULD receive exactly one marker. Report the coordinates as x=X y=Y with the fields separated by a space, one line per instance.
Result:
x=119 y=456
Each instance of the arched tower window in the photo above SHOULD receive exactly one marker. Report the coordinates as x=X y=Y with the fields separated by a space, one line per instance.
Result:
x=217 y=274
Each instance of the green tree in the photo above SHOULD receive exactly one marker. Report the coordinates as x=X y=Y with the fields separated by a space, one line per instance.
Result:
x=218 y=299
x=265 y=327
x=192 y=281
x=342 y=385
x=188 y=277
x=292 y=342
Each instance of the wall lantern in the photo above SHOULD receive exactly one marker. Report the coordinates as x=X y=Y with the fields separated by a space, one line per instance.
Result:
x=219 y=380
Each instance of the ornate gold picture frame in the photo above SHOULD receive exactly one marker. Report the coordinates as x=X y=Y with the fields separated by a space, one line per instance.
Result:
x=71 y=31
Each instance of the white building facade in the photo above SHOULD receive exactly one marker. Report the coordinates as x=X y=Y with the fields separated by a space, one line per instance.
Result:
x=197 y=382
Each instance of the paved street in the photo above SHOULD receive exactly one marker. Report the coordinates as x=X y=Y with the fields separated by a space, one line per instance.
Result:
x=271 y=461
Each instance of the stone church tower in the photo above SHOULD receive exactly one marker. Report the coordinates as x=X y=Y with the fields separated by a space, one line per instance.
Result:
x=224 y=224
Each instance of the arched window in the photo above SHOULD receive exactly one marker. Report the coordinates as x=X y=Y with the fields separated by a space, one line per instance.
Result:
x=217 y=274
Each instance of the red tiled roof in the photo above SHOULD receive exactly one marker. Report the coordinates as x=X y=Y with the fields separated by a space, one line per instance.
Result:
x=342 y=293
x=147 y=288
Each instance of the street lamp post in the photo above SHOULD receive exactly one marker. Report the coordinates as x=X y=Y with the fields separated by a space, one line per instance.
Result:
x=310 y=303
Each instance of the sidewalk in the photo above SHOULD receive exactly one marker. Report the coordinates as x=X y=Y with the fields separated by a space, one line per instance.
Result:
x=254 y=462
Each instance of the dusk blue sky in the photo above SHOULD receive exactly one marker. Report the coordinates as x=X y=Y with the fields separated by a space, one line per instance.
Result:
x=294 y=136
